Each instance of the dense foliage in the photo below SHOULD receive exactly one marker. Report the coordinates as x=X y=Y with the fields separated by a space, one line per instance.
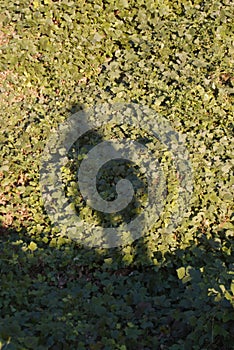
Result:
x=167 y=290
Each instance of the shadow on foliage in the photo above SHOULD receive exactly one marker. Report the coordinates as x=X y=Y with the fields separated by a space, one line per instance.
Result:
x=60 y=295
x=107 y=179
x=65 y=297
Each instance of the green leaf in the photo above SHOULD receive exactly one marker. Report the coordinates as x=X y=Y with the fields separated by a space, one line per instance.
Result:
x=181 y=272
x=32 y=246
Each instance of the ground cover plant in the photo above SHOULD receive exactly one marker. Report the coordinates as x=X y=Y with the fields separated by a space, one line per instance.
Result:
x=167 y=290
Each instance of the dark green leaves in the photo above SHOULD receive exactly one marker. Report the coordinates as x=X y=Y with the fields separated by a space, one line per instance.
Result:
x=168 y=290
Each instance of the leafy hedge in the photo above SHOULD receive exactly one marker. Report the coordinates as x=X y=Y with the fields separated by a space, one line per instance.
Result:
x=165 y=291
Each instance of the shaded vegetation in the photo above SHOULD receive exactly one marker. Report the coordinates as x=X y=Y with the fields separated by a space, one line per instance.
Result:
x=168 y=290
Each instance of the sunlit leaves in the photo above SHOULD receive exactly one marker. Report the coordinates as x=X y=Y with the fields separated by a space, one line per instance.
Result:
x=176 y=57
